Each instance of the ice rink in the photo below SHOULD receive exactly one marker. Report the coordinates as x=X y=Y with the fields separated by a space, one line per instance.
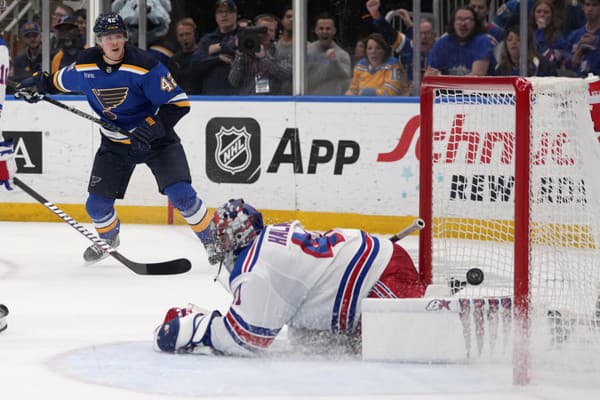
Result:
x=84 y=332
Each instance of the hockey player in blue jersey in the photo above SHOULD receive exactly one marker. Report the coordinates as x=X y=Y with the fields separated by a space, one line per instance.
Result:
x=285 y=275
x=129 y=88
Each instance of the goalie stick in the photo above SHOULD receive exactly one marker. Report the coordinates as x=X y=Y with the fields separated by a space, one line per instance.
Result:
x=417 y=225
x=177 y=266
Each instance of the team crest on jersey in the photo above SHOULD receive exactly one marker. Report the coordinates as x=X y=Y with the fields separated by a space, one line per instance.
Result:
x=233 y=149
x=111 y=98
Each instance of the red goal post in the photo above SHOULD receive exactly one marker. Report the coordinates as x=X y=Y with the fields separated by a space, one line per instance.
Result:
x=507 y=185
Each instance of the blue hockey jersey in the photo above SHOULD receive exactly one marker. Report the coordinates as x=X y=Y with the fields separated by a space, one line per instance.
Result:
x=126 y=93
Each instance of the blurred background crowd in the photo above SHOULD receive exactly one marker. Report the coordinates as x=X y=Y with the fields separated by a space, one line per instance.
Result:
x=352 y=47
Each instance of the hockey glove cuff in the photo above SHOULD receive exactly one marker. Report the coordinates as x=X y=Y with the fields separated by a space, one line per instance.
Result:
x=8 y=168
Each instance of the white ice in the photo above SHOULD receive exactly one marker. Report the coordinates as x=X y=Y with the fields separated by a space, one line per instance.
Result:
x=78 y=331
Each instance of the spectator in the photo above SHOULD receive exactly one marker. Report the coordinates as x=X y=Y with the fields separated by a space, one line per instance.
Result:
x=545 y=22
x=573 y=17
x=482 y=9
x=81 y=15
x=60 y=11
x=31 y=60
x=584 y=41
x=508 y=62
x=69 y=43
x=180 y=64
x=403 y=44
x=327 y=64
x=397 y=40
x=216 y=50
x=464 y=50
x=283 y=47
x=378 y=74
x=261 y=72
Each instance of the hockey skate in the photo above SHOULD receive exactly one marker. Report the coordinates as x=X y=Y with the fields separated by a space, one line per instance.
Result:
x=95 y=253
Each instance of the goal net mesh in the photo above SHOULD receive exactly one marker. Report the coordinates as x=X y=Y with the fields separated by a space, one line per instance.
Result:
x=473 y=212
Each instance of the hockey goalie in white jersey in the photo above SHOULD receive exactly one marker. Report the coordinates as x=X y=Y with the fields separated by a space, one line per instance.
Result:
x=284 y=275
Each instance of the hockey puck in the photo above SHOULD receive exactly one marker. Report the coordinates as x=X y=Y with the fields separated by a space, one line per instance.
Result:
x=474 y=276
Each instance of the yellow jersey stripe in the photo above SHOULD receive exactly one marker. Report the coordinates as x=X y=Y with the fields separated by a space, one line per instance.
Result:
x=134 y=68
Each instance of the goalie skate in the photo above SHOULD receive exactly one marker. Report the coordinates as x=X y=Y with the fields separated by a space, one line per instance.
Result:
x=95 y=253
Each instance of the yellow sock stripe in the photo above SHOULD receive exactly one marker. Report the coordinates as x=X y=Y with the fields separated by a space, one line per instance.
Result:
x=109 y=227
x=203 y=224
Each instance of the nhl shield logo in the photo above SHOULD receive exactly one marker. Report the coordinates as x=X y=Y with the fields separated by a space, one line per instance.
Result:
x=233 y=149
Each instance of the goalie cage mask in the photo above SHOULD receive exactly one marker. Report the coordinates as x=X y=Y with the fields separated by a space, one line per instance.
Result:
x=234 y=226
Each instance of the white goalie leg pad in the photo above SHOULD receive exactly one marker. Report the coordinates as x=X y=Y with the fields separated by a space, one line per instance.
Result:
x=412 y=330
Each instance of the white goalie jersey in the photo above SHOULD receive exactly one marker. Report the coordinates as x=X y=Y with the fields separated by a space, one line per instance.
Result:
x=299 y=278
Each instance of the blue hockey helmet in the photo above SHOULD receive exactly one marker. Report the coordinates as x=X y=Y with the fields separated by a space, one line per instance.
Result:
x=234 y=226
x=109 y=23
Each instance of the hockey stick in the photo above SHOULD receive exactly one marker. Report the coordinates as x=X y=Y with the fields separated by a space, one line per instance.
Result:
x=171 y=267
x=417 y=225
x=104 y=124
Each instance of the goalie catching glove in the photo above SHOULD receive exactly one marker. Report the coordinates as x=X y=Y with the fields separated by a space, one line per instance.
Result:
x=186 y=330
x=34 y=88
x=8 y=168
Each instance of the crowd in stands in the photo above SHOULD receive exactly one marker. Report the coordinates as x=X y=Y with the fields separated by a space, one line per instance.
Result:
x=253 y=56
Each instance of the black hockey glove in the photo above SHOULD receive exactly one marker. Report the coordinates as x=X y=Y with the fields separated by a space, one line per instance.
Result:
x=34 y=88
x=147 y=132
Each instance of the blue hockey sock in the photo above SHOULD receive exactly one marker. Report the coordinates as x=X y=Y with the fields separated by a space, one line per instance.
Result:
x=101 y=210
x=193 y=210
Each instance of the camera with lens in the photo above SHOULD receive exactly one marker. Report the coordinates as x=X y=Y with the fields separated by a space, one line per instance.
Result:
x=249 y=40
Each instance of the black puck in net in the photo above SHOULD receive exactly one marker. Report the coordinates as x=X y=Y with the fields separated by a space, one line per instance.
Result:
x=474 y=276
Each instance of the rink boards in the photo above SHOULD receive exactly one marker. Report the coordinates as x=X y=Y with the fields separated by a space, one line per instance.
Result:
x=327 y=161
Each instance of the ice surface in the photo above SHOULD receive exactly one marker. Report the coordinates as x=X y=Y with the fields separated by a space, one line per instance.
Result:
x=79 y=331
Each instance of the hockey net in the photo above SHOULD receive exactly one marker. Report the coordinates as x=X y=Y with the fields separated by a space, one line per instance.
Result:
x=510 y=184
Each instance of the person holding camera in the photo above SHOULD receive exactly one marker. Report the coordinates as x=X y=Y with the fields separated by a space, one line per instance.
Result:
x=256 y=69
x=216 y=50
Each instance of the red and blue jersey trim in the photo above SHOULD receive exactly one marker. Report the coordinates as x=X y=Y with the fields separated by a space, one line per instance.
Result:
x=247 y=258
x=250 y=337
x=381 y=290
x=346 y=300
